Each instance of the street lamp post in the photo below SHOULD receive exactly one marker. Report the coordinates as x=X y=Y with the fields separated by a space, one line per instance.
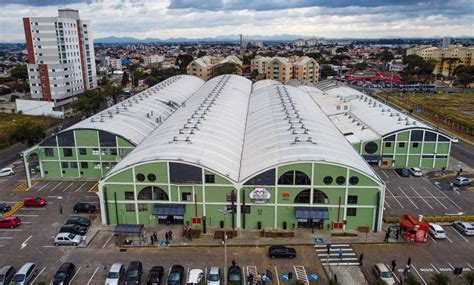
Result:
x=225 y=212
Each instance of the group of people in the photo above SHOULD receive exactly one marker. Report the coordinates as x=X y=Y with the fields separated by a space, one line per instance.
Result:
x=260 y=279
x=406 y=270
x=154 y=237
x=188 y=233
x=392 y=231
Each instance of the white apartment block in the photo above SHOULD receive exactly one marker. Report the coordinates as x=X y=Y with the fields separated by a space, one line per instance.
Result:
x=61 y=61
x=114 y=62
x=150 y=59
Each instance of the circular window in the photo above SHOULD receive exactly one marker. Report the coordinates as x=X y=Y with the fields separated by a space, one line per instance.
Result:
x=354 y=180
x=371 y=147
x=327 y=180
x=340 y=180
x=151 y=177
x=140 y=177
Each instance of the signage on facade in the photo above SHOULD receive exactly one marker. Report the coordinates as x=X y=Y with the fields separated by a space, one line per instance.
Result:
x=260 y=195
x=286 y=195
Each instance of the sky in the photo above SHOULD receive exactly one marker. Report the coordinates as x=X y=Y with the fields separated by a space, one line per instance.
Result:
x=210 y=18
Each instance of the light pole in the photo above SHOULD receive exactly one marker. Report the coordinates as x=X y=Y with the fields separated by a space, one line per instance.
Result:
x=225 y=212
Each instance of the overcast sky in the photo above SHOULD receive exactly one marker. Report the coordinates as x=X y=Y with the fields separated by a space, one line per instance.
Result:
x=201 y=18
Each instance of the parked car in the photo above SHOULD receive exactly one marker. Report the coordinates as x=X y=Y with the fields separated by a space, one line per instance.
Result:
x=34 y=201
x=4 y=207
x=80 y=221
x=67 y=239
x=403 y=172
x=84 y=208
x=115 y=275
x=415 y=171
x=6 y=274
x=382 y=272
x=195 y=277
x=6 y=172
x=155 y=275
x=464 y=227
x=73 y=229
x=454 y=140
x=176 y=275
x=462 y=181
x=234 y=275
x=134 y=273
x=10 y=222
x=64 y=274
x=25 y=274
x=214 y=276
x=281 y=251
x=436 y=231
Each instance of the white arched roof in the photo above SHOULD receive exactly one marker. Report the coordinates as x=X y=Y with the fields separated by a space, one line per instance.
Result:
x=208 y=130
x=264 y=83
x=285 y=125
x=135 y=118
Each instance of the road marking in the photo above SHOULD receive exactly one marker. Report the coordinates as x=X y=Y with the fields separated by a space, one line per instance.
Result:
x=394 y=274
x=451 y=265
x=33 y=281
x=24 y=244
x=470 y=266
x=25 y=215
x=455 y=230
x=105 y=244
x=397 y=174
x=48 y=246
x=32 y=209
x=400 y=188
x=44 y=186
x=432 y=238
x=449 y=199
x=436 y=198
x=277 y=276
x=75 y=274
x=6 y=237
x=449 y=239
x=11 y=230
x=421 y=277
x=80 y=187
x=56 y=186
x=90 y=279
x=64 y=190
x=389 y=192
x=2 y=245
x=428 y=204
x=301 y=273
x=437 y=271
x=386 y=203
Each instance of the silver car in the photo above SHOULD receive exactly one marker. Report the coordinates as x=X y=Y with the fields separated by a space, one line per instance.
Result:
x=214 y=276
x=6 y=274
x=25 y=275
x=67 y=239
x=115 y=275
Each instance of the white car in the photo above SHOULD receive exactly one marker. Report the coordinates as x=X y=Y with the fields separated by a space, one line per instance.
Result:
x=25 y=274
x=462 y=181
x=194 y=277
x=436 y=231
x=214 y=276
x=115 y=275
x=464 y=227
x=67 y=239
x=382 y=272
x=454 y=140
x=415 y=171
x=6 y=172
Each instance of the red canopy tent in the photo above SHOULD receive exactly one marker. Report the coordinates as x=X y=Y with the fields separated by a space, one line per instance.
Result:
x=414 y=229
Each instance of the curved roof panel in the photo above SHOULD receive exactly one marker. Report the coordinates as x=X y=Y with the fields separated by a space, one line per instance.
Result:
x=285 y=125
x=136 y=117
x=264 y=83
x=208 y=130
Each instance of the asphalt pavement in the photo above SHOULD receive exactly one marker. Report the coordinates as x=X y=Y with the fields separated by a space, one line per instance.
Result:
x=463 y=152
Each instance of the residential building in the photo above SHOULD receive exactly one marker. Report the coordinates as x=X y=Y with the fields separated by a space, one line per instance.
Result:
x=114 y=62
x=446 y=42
x=299 y=43
x=203 y=67
x=299 y=68
x=260 y=63
x=61 y=60
x=151 y=59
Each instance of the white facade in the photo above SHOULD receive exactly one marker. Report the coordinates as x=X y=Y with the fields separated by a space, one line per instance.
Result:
x=150 y=59
x=113 y=62
x=37 y=108
x=61 y=56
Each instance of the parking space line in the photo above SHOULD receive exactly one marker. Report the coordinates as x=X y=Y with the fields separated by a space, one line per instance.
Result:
x=26 y=215
x=80 y=187
x=105 y=244
x=470 y=266
x=389 y=192
x=56 y=186
x=6 y=237
x=400 y=188
x=277 y=277
x=75 y=274
x=397 y=174
x=436 y=198
x=44 y=186
x=33 y=281
x=64 y=190
x=449 y=199
x=449 y=239
x=432 y=238
x=93 y=274
x=394 y=274
x=421 y=197
x=387 y=204
x=385 y=174
x=11 y=230
x=434 y=267
x=421 y=277
x=459 y=234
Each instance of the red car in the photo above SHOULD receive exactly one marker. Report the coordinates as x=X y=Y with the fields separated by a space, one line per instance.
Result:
x=10 y=222
x=34 y=202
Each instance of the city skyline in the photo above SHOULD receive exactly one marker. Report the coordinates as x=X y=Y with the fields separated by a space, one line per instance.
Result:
x=177 y=18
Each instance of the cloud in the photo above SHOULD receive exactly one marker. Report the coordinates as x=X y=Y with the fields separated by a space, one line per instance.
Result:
x=42 y=2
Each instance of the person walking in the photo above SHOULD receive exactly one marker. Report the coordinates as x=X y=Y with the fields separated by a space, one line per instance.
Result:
x=406 y=271
x=409 y=262
x=394 y=265
x=386 y=236
x=152 y=239
x=396 y=234
x=190 y=234
x=250 y=279
x=361 y=258
x=233 y=262
x=166 y=237
x=170 y=235
x=155 y=236
x=258 y=280
x=60 y=209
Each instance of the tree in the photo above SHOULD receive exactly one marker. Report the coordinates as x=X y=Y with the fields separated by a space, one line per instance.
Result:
x=411 y=280
x=361 y=66
x=28 y=133
x=254 y=74
x=163 y=74
x=440 y=279
x=298 y=53
x=183 y=60
x=225 y=68
x=19 y=72
x=451 y=61
x=469 y=278
x=464 y=75
x=151 y=80
x=384 y=56
x=341 y=50
x=201 y=53
x=89 y=102
x=417 y=68
x=137 y=75
x=248 y=57
x=125 y=79
x=315 y=55
x=326 y=71
x=111 y=92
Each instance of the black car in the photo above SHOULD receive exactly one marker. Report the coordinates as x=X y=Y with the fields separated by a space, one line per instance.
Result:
x=281 y=251
x=73 y=229
x=64 y=274
x=80 y=221
x=155 y=275
x=235 y=275
x=134 y=273
x=176 y=275
x=403 y=172
x=84 y=208
x=4 y=208
x=6 y=274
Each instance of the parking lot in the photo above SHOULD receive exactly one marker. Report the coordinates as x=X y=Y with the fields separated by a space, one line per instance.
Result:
x=419 y=195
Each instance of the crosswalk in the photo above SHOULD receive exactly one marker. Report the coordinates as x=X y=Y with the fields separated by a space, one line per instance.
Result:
x=301 y=274
x=349 y=257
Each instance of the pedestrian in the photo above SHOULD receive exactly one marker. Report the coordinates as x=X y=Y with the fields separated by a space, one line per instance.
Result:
x=190 y=234
x=264 y=278
x=60 y=210
x=170 y=235
x=155 y=236
x=340 y=253
x=361 y=258
x=386 y=237
x=396 y=234
x=389 y=230
x=250 y=279
x=258 y=280
x=406 y=271
x=152 y=238
x=394 y=264
x=166 y=236
x=409 y=261
x=233 y=262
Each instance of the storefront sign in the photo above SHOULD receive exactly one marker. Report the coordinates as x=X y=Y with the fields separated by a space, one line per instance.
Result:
x=260 y=195
x=286 y=195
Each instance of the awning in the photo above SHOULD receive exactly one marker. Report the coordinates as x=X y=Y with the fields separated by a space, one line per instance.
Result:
x=371 y=158
x=169 y=210
x=311 y=213
x=128 y=229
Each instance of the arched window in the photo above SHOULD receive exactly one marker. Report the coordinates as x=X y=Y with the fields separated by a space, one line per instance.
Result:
x=294 y=177
x=303 y=197
x=152 y=193
x=319 y=197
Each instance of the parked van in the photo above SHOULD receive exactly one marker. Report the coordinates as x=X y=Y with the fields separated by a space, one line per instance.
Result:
x=25 y=275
